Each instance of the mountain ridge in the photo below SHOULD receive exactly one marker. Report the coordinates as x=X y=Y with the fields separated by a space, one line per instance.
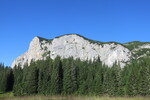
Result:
x=96 y=41
x=77 y=46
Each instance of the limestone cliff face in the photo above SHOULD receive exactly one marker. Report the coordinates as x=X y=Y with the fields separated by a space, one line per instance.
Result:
x=75 y=46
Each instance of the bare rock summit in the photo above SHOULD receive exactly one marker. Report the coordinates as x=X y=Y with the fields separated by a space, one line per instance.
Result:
x=76 y=46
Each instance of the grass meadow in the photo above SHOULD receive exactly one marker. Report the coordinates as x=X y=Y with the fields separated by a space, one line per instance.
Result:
x=9 y=96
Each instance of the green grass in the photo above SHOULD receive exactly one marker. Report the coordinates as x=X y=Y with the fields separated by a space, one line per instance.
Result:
x=9 y=96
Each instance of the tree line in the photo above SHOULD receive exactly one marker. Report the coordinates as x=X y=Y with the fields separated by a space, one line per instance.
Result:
x=76 y=77
x=6 y=78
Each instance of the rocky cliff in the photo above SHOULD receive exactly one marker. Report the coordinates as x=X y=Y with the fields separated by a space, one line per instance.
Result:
x=76 y=46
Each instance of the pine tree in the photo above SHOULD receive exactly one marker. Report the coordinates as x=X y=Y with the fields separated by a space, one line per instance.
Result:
x=57 y=76
x=67 y=77
x=10 y=80
x=82 y=77
x=133 y=80
x=44 y=76
x=74 y=71
x=107 y=80
x=99 y=79
x=32 y=80
x=115 y=80
x=3 y=81
x=48 y=76
x=91 y=78
x=144 y=82
x=18 y=76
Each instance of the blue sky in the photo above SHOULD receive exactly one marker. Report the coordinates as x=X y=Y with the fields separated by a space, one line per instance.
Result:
x=102 y=20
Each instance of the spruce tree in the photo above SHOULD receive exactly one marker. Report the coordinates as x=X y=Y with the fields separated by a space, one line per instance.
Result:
x=3 y=81
x=144 y=77
x=67 y=77
x=18 y=76
x=57 y=76
x=133 y=80
x=99 y=78
x=10 y=80
x=32 y=80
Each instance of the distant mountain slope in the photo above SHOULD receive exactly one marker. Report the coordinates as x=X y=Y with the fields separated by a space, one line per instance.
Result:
x=77 y=46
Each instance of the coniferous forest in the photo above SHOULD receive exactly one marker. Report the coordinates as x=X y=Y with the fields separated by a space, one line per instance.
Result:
x=75 y=77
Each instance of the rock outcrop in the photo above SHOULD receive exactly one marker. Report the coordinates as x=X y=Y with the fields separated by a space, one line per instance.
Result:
x=75 y=46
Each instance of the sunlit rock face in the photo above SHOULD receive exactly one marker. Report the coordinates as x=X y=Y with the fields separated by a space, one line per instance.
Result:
x=75 y=46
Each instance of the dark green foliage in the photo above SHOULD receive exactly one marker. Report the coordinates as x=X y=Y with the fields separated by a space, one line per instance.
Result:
x=43 y=39
x=144 y=78
x=6 y=79
x=140 y=52
x=134 y=44
x=10 y=80
x=114 y=80
x=75 y=77
x=18 y=77
x=44 y=76
x=57 y=76
x=99 y=79
x=70 y=82
x=32 y=81
x=69 y=76
x=46 y=53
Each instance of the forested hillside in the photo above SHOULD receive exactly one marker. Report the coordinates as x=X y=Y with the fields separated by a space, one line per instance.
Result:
x=75 y=77
x=6 y=78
